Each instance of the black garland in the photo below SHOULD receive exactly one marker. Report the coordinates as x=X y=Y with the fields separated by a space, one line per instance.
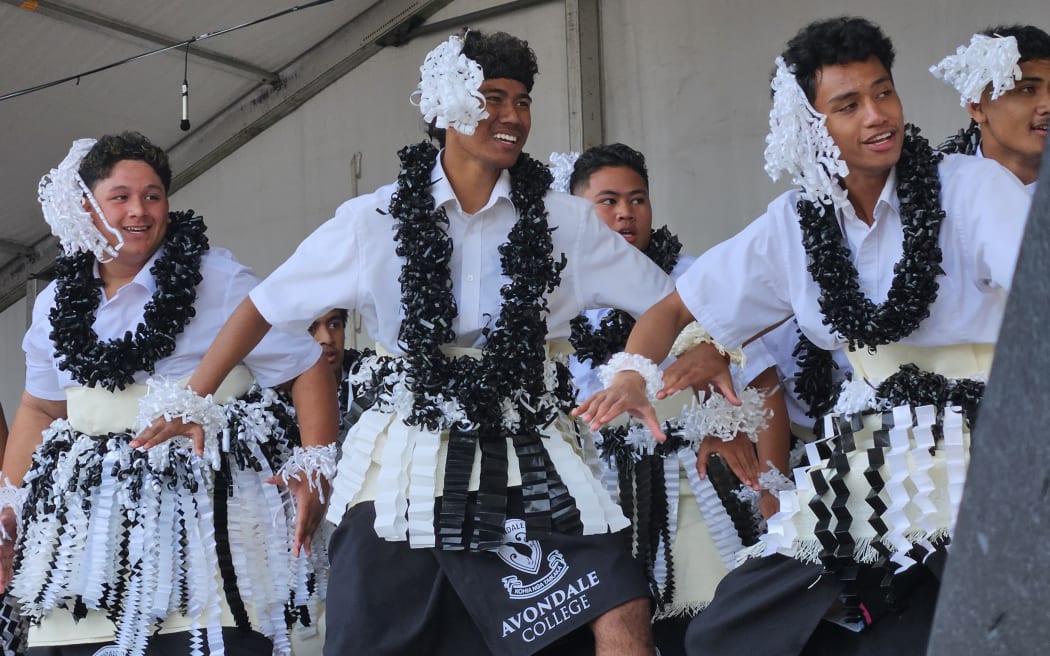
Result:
x=963 y=142
x=511 y=366
x=914 y=286
x=915 y=387
x=598 y=345
x=815 y=382
x=113 y=364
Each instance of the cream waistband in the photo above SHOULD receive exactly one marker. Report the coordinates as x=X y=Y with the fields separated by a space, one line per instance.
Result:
x=97 y=411
x=955 y=361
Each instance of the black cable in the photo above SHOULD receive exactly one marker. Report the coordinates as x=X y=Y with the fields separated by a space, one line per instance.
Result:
x=180 y=44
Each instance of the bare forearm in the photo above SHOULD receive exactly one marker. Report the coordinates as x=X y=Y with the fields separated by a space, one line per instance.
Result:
x=31 y=418
x=242 y=332
x=656 y=330
x=316 y=405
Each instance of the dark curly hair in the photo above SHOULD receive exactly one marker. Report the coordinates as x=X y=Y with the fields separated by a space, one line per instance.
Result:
x=500 y=55
x=604 y=156
x=1032 y=42
x=835 y=41
x=112 y=148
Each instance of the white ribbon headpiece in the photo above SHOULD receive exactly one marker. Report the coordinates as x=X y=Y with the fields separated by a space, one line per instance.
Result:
x=61 y=193
x=799 y=143
x=987 y=60
x=561 y=166
x=448 y=91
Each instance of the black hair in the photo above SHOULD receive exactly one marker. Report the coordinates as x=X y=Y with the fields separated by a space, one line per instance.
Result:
x=113 y=148
x=1032 y=42
x=835 y=41
x=344 y=314
x=604 y=156
x=500 y=55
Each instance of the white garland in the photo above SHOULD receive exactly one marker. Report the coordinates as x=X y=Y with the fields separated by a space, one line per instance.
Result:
x=448 y=91
x=166 y=398
x=61 y=193
x=562 y=165
x=856 y=396
x=694 y=335
x=987 y=60
x=310 y=464
x=773 y=480
x=14 y=498
x=799 y=143
x=654 y=380
x=719 y=418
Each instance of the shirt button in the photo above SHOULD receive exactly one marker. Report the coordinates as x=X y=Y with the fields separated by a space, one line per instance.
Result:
x=470 y=278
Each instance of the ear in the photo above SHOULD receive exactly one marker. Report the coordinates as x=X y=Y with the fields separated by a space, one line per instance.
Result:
x=977 y=112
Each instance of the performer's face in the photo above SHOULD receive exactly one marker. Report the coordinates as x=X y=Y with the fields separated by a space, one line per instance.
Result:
x=498 y=140
x=135 y=204
x=1014 y=125
x=621 y=200
x=865 y=116
x=329 y=330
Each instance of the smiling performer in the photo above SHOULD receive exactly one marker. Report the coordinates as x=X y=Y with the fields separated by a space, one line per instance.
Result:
x=1003 y=80
x=465 y=482
x=899 y=253
x=133 y=552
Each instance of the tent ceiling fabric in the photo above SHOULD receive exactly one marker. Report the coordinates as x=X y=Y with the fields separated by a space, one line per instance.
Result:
x=46 y=43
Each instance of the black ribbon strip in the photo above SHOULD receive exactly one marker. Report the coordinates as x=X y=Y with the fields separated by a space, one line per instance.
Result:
x=491 y=513
x=461 y=449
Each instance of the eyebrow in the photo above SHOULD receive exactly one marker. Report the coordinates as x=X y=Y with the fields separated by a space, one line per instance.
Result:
x=630 y=192
x=1031 y=78
x=502 y=92
x=127 y=188
x=851 y=94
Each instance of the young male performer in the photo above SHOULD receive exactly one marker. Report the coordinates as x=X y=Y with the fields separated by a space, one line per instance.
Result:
x=1003 y=80
x=464 y=484
x=898 y=252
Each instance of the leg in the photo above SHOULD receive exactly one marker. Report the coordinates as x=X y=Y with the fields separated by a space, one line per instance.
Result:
x=625 y=630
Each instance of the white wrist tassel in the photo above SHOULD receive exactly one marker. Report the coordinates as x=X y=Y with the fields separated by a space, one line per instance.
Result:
x=654 y=380
x=694 y=335
x=773 y=480
x=14 y=498
x=167 y=399
x=310 y=464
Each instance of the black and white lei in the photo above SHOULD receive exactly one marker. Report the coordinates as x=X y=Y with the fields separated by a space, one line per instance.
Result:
x=511 y=382
x=598 y=344
x=964 y=142
x=113 y=364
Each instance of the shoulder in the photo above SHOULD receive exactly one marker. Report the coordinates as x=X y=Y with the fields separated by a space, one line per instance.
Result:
x=973 y=185
x=366 y=206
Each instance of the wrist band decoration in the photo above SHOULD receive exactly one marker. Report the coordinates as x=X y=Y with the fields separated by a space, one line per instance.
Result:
x=773 y=480
x=166 y=398
x=14 y=498
x=719 y=418
x=561 y=166
x=309 y=464
x=448 y=91
x=987 y=60
x=800 y=145
x=654 y=380
x=62 y=193
x=694 y=335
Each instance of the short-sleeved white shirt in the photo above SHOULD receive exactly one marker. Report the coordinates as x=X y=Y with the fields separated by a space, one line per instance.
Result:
x=226 y=282
x=759 y=277
x=350 y=261
x=1030 y=187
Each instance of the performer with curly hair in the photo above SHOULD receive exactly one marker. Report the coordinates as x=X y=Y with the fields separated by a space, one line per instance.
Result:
x=1003 y=80
x=904 y=257
x=465 y=482
x=171 y=550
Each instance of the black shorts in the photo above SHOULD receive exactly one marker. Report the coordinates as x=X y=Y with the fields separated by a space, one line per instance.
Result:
x=387 y=598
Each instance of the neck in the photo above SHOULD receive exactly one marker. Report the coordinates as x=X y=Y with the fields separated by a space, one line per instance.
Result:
x=1025 y=168
x=116 y=274
x=471 y=181
x=864 y=191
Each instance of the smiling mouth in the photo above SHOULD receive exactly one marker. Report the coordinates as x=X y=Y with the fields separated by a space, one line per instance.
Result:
x=879 y=139
x=137 y=229
x=505 y=138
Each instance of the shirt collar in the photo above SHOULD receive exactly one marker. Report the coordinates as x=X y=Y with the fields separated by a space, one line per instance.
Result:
x=441 y=188
x=887 y=202
x=143 y=278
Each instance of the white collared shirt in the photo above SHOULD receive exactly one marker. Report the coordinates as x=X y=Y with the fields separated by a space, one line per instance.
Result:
x=226 y=282
x=350 y=262
x=1030 y=187
x=759 y=277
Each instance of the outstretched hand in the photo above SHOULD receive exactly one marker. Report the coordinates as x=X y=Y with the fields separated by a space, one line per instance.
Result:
x=627 y=394
x=699 y=368
x=738 y=453
x=309 y=510
x=162 y=430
